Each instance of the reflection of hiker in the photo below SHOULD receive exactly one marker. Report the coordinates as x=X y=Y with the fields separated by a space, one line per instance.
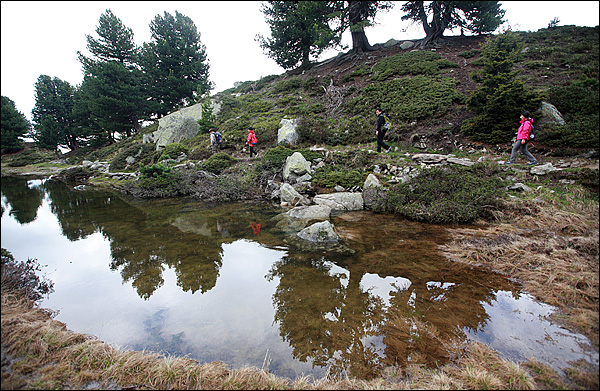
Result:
x=223 y=227
x=256 y=227
x=251 y=141
x=522 y=140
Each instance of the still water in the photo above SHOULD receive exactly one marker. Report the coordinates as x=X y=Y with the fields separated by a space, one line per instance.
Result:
x=228 y=283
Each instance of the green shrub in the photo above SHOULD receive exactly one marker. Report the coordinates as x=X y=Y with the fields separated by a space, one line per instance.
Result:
x=500 y=99
x=218 y=163
x=330 y=177
x=136 y=150
x=411 y=63
x=406 y=99
x=173 y=150
x=275 y=158
x=157 y=170
x=452 y=194
x=27 y=157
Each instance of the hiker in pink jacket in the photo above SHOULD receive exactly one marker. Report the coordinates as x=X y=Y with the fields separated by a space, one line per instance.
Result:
x=522 y=140
x=251 y=140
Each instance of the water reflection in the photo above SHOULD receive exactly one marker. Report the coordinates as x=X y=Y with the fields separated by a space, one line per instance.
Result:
x=223 y=283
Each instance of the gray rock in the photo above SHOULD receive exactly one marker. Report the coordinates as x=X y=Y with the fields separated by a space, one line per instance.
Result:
x=462 y=162
x=371 y=181
x=429 y=158
x=550 y=115
x=310 y=212
x=406 y=45
x=340 y=201
x=543 y=169
x=287 y=131
x=295 y=164
x=319 y=233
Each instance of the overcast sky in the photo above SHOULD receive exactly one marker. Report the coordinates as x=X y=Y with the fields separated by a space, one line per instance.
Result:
x=43 y=37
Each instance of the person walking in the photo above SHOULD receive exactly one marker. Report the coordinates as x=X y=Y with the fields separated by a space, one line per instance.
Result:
x=380 y=131
x=214 y=145
x=522 y=140
x=251 y=140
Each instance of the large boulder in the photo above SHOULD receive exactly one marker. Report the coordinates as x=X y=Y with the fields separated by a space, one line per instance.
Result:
x=178 y=126
x=550 y=115
x=340 y=201
x=287 y=131
x=295 y=166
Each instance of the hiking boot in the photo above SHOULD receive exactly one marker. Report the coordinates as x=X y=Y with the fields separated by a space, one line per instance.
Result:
x=507 y=163
x=533 y=164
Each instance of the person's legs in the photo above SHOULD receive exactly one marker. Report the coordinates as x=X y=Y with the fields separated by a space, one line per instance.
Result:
x=528 y=154
x=251 y=151
x=513 y=153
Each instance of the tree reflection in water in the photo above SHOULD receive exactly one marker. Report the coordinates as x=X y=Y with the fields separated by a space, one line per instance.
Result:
x=331 y=318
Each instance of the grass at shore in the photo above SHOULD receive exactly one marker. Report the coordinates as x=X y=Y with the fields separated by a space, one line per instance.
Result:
x=48 y=356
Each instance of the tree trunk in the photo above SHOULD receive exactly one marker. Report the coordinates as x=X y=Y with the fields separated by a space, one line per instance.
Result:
x=434 y=31
x=356 y=16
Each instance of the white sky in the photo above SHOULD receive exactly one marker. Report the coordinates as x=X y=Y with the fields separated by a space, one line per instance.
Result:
x=43 y=37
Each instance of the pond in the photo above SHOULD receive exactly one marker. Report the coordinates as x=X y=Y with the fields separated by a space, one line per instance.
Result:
x=228 y=283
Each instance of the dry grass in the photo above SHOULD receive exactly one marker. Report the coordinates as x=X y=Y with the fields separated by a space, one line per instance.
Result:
x=552 y=248
x=45 y=355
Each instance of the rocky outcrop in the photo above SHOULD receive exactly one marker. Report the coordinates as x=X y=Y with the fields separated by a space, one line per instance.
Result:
x=287 y=131
x=178 y=126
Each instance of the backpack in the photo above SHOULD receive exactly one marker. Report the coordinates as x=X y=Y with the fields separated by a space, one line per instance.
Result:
x=218 y=137
x=532 y=133
x=387 y=125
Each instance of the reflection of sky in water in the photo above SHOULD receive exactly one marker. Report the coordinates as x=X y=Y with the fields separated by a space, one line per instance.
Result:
x=382 y=287
x=233 y=322
x=517 y=328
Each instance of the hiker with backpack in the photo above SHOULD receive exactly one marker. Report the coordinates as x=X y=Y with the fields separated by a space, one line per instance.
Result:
x=522 y=139
x=382 y=127
x=215 y=140
x=251 y=141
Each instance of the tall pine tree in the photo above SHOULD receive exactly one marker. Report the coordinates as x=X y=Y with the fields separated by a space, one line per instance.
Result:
x=52 y=114
x=112 y=97
x=300 y=30
x=175 y=63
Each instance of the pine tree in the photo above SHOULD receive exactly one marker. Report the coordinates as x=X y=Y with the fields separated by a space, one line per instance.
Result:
x=438 y=16
x=300 y=31
x=52 y=114
x=112 y=97
x=175 y=63
x=14 y=126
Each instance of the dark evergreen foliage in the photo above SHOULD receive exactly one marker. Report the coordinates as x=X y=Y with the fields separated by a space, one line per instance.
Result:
x=14 y=126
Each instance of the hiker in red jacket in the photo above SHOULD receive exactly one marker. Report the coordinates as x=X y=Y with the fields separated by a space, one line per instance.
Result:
x=251 y=140
x=522 y=139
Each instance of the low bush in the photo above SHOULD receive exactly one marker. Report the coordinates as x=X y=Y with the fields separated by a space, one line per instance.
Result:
x=173 y=150
x=453 y=194
x=20 y=277
x=330 y=177
x=218 y=163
